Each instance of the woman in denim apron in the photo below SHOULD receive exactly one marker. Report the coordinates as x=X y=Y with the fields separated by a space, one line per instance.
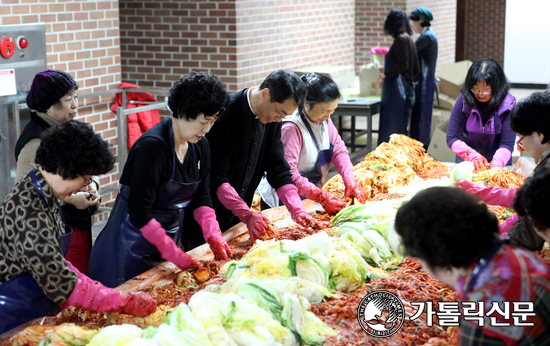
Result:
x=35 y=278
x=164 y=199
x=311 y=144
x=479 y=128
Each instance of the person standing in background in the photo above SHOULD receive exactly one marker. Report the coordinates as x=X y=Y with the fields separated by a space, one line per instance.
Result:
x=426 y=48
x=400 y=68
x=482 y=113
x=53 y=99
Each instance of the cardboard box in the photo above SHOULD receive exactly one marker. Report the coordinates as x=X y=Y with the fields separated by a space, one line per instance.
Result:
x=438 y=148
x=452 y=77
x=344 y=76
x=445 y=101
x=439 y=117
x=367 y=80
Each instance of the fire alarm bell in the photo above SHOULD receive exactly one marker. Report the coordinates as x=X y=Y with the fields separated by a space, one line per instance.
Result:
x=7 y=47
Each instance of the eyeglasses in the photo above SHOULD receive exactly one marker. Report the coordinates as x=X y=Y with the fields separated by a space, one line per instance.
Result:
x=520 y=142
x=481 y=92
x=87 y=181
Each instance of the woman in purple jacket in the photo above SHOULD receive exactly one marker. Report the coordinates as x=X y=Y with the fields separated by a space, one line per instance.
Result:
x=479 y=128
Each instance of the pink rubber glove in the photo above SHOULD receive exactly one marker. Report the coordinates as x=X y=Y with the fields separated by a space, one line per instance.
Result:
x=206 y=218
x=501 y=157
x=468 y=154
x=288 y=194
x=507 y=224
x=345 y=168
x=255 y=222
x=156 y=235
x=329 y=201
x=492 y=195
x=92 y=295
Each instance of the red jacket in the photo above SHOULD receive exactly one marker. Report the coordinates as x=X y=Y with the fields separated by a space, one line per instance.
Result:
x=139 y=122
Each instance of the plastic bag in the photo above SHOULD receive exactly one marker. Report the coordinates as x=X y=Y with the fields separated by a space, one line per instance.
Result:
x=525 y=166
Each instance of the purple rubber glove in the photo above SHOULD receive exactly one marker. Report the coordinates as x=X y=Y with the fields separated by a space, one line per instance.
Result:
x=206 y=218
x=492 y=195
x=501 y=157
x=468 y=154
x=507 y=224
x=156 y=235
x=256 y=223
x=345 y=168
x=288 y=194
x=92 y=295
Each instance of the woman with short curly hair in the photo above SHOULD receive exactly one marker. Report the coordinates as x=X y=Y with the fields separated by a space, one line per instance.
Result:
x=164 y=199
x=35 y=277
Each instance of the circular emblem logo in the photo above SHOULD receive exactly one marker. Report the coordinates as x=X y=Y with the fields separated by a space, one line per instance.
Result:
x=381 y=314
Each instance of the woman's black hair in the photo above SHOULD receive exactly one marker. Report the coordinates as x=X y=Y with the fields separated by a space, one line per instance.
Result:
x=396 y=23
x=73 y=149
x=283 y=84
x=69 y=92
x=532 y=114
x=446 y=227
x=197 y=93
x=490 y=71
x=320 y=88
x=416 y=18
x=533 y=198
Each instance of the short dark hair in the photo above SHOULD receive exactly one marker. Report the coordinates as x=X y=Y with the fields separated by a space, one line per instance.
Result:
x=72 y=149
x=283 y=84
x=396 y=23
x=490 y=71
x=532 y=114
x=320 y=88
x=533 y=199
x=446 y=227
x=197 y=93
x=74 y=88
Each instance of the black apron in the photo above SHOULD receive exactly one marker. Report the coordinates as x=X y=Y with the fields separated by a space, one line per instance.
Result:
x=421 y=116
x=21 y=298
x=395 y=105
x=120 y=251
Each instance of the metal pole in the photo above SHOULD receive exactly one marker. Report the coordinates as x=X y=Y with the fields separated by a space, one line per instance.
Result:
x=122 y=138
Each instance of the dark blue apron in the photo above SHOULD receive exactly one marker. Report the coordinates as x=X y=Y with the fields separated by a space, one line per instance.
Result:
x=485 y=143
x=318 y=173
x=395 y=105
x=120 y=251
x=21 y=299
x=421 y=116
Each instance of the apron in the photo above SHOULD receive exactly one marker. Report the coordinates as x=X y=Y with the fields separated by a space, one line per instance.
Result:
x=421 y=116
x=120 y=251
x=317 y=175
x=21 y=298
x=485 y=143
x=395 y=105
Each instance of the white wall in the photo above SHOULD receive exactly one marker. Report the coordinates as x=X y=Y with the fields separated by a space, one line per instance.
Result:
x=527 y=41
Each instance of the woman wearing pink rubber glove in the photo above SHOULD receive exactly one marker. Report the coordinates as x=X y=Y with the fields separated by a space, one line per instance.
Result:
x=311 y=144
x=164 y=207
x=530 y=120
x=35 y=278
x=482 y=114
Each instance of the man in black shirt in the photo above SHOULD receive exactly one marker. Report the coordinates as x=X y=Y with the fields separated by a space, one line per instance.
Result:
x=246 y=143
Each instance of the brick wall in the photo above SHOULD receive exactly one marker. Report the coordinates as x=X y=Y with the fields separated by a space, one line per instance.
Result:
x=82 y=38
x=241 y=41
x=369 y=24
x=485 y=26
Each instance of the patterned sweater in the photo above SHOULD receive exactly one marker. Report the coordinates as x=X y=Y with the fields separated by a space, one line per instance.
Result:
x=28 y=239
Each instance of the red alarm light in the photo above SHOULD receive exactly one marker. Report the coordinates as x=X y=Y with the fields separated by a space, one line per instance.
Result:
x=22 y=42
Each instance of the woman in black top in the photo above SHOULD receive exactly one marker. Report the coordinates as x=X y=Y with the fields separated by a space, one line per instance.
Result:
x=400 y=67
x=426 y=47
x=164 y=198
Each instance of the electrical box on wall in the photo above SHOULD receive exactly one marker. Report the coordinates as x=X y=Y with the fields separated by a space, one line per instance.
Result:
x=22 y=56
